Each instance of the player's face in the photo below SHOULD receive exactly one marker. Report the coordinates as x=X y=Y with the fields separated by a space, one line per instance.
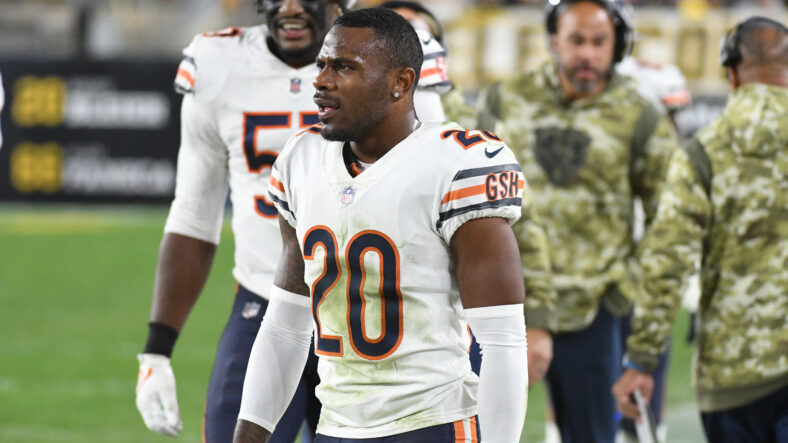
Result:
x=583 y=47
x=352 y=86
x=298 y=26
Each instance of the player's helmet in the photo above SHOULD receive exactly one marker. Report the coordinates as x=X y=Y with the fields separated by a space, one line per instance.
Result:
x=418 y=7
x=730 y=56
x=344 y=4
x=625 y=34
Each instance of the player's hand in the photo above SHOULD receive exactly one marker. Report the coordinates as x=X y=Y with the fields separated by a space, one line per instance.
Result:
x=540 y=353
x=630 y=380
x=156 y=399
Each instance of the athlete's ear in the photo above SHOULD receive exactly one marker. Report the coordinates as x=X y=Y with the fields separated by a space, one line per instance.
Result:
x=404 y=81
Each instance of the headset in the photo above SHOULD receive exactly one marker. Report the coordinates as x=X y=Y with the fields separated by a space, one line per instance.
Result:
x=344 y=4
x=624 y=33
x=730 y=56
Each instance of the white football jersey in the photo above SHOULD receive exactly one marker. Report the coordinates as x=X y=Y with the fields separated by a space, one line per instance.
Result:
x=389 y=332
x=241 y=104
x=663 y=86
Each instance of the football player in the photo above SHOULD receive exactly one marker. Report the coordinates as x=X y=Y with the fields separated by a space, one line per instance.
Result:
x=400 y=232
x=245 y=91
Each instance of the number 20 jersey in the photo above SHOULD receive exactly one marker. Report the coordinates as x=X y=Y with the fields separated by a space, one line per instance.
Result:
x=389 y=332
x=241 y=103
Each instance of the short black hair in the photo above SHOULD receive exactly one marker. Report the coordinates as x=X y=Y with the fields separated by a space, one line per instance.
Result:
x=392 y=33
x=757 y=47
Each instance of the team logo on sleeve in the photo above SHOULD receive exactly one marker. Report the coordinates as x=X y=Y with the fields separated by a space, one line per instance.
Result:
x=295 y=85
x=347 y=196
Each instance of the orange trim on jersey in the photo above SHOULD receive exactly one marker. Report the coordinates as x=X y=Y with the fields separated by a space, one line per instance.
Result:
x=254 y=136
x=464 y=192
x=470 y=336
x=185 y=74
x=677 y=98
x=355 y=171
x=456 y=134
x=459 y=432
x=302 y=116
x=429 y=72
x=312 y=289
x=268 y=203
x=276 y=184
x=312 y=129
x=474 y=436
x=232 y=32
x=382 y=301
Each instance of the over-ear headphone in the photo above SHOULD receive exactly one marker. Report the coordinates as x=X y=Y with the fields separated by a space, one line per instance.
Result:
x=624 y=33
x=730 y=56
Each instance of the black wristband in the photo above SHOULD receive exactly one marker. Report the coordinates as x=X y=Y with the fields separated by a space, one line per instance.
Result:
x=161 y=339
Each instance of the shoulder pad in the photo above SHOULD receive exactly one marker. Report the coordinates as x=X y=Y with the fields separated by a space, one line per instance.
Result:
x=207 y=62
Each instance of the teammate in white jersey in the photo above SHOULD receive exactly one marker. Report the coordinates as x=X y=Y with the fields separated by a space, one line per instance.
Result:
x=246 y=91
x=400 y=232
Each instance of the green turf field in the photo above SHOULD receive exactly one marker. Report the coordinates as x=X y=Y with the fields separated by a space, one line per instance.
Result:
x=75 y=291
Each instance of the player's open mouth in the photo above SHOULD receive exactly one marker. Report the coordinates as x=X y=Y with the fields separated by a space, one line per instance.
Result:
x=292 y=28
x=325 y=107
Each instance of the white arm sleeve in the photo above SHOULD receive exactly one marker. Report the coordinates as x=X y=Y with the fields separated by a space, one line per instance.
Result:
x=277 y=359
x=201 y=181
x=503 y=381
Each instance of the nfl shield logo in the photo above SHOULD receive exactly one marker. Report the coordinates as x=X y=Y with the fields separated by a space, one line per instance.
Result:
x=295 y=85
x=251 y=309
x=347 y=196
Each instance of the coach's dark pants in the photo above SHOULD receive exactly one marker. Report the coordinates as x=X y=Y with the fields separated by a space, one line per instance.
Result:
x=229 y=369
x=660 y=375
x=762 y=421
x=585 y=366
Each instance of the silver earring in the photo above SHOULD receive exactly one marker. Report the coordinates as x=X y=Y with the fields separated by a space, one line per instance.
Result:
x=396 y=94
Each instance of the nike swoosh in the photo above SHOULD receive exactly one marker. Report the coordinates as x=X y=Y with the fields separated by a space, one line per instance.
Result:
x=426 y=41
x=492 y=154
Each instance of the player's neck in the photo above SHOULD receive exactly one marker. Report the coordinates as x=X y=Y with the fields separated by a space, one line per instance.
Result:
x=380 y=141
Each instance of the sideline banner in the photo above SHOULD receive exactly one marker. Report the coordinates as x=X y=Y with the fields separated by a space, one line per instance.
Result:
x=89 y=131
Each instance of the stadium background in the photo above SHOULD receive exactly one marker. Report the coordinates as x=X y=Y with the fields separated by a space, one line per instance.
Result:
x=87 y=167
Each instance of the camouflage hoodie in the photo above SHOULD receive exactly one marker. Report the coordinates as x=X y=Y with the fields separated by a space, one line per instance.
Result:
x=586 y=162
x=726 y=197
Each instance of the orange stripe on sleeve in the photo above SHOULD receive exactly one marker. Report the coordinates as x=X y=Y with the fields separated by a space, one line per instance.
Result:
x=459 y=432
x=185 y=74
x=464 y=192
x=276 y=183
x=520 y=184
